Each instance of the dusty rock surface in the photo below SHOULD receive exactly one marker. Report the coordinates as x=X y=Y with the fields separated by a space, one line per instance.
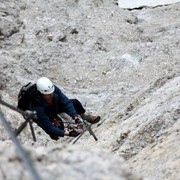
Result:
x=123 y=65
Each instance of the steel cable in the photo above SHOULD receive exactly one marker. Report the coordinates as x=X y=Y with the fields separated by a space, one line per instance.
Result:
x=20 y=151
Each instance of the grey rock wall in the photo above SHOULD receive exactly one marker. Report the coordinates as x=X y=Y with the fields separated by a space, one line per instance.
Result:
x=123 y=65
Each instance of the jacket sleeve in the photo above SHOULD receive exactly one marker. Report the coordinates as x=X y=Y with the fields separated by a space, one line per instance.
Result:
x=66 y=104
x=44 y=122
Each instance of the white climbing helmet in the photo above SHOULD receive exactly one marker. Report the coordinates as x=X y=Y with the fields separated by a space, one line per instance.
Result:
x=45 y=86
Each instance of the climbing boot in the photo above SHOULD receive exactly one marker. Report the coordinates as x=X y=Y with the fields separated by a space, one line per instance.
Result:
x=91 y=119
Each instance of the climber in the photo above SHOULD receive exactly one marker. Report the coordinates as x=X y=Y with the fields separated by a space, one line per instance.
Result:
x=49 y=102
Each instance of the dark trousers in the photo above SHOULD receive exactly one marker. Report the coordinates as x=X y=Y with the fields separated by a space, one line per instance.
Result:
x=78 y=106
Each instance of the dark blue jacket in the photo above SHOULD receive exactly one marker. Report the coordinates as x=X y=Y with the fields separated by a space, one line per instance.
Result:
x=46 y=113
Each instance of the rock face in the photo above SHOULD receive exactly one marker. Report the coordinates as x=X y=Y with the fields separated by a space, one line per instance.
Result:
x=62 y=162
x=123 y=65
